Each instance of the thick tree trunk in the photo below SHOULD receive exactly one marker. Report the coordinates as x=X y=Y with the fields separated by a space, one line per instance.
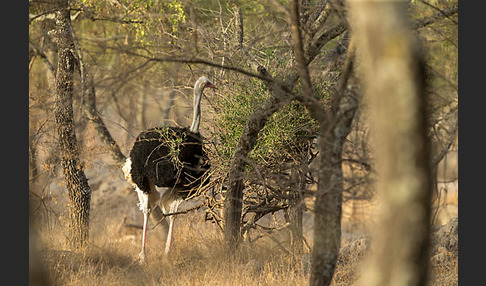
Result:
x=79 y=192
x=334 y=126
x=295 y=213
x=327 y=210
x=328 y=203
x=393 y=76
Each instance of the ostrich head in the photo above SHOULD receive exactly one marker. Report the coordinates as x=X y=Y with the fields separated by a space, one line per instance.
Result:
x=199 y=87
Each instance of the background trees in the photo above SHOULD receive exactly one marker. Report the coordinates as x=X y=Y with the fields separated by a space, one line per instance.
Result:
x=287 y=115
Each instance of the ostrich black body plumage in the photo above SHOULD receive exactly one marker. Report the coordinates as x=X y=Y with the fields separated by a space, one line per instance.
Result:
x=170 y=157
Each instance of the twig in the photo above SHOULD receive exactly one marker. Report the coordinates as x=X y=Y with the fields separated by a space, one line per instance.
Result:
x=43 y=56
x=178 y=213
x=434 y=18
x=265 y=77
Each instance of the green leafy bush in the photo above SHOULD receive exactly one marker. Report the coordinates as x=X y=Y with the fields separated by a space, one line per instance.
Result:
x=283 y=139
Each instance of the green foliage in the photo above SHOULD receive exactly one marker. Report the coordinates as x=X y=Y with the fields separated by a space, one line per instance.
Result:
x=284 y=137
x=147 y=20
x=173 y=142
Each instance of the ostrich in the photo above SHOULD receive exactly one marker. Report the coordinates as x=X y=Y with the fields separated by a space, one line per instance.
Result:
x=170 y=158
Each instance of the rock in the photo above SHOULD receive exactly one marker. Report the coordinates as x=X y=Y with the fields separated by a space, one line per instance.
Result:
x=254 y=266
x=447 y=237
x=354 y=250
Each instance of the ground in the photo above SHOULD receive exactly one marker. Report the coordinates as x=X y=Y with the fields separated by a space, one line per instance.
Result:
x=197 y=256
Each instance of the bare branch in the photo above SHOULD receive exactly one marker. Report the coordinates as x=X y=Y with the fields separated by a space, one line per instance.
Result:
x=444 y=13
x=320 y=20
x=41 y=53
x=93 y=17
x=262 y=76
x=316 y=46
x=178 y=213
x=238 y=22
x=424 y=22
x=294 y=19
x=307 y=98
x=42 y=15
x=89 y=103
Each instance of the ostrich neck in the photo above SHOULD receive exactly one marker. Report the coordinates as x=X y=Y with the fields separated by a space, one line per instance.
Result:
x=196 y=119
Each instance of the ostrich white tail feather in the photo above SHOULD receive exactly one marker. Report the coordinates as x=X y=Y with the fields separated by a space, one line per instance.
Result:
x=127 y=168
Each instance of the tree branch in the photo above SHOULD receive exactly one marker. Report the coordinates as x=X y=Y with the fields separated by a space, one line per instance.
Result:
x=426 y=21
x=89 y=103
x=262 y=76
x=43 y=56
x=307 y=98
x=444 y=13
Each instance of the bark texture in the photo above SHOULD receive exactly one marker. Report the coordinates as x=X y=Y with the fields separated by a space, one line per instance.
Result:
x=329 y=196
x=79 y=191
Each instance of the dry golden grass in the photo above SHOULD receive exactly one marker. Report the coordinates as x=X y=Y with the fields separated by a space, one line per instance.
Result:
x=444 y=270
x=197 y=256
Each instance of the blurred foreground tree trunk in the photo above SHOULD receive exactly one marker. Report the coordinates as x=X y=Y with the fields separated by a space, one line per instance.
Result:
x=393 y=75
x=79 y=191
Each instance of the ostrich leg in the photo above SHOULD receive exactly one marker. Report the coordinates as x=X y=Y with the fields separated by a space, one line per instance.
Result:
x=148 y=201
x=160 y=223
x=168 y=243
x=173 y=207
x=146 y=215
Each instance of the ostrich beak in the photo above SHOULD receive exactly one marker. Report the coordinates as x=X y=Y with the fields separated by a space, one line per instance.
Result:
x=210 y=85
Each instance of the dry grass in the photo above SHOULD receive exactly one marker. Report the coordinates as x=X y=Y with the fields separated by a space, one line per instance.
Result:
x=444 y=269
x=197 y=256
x=198 y=259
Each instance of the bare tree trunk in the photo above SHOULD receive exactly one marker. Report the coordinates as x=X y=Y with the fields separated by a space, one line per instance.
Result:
x=295 y=212
x=334 y=126
x=102 y=130
x=296 y=215
x=327 y=210
x=79 y=192
x=33 y=170
x=234 y=196
x=393 y=76
x=141 y=107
